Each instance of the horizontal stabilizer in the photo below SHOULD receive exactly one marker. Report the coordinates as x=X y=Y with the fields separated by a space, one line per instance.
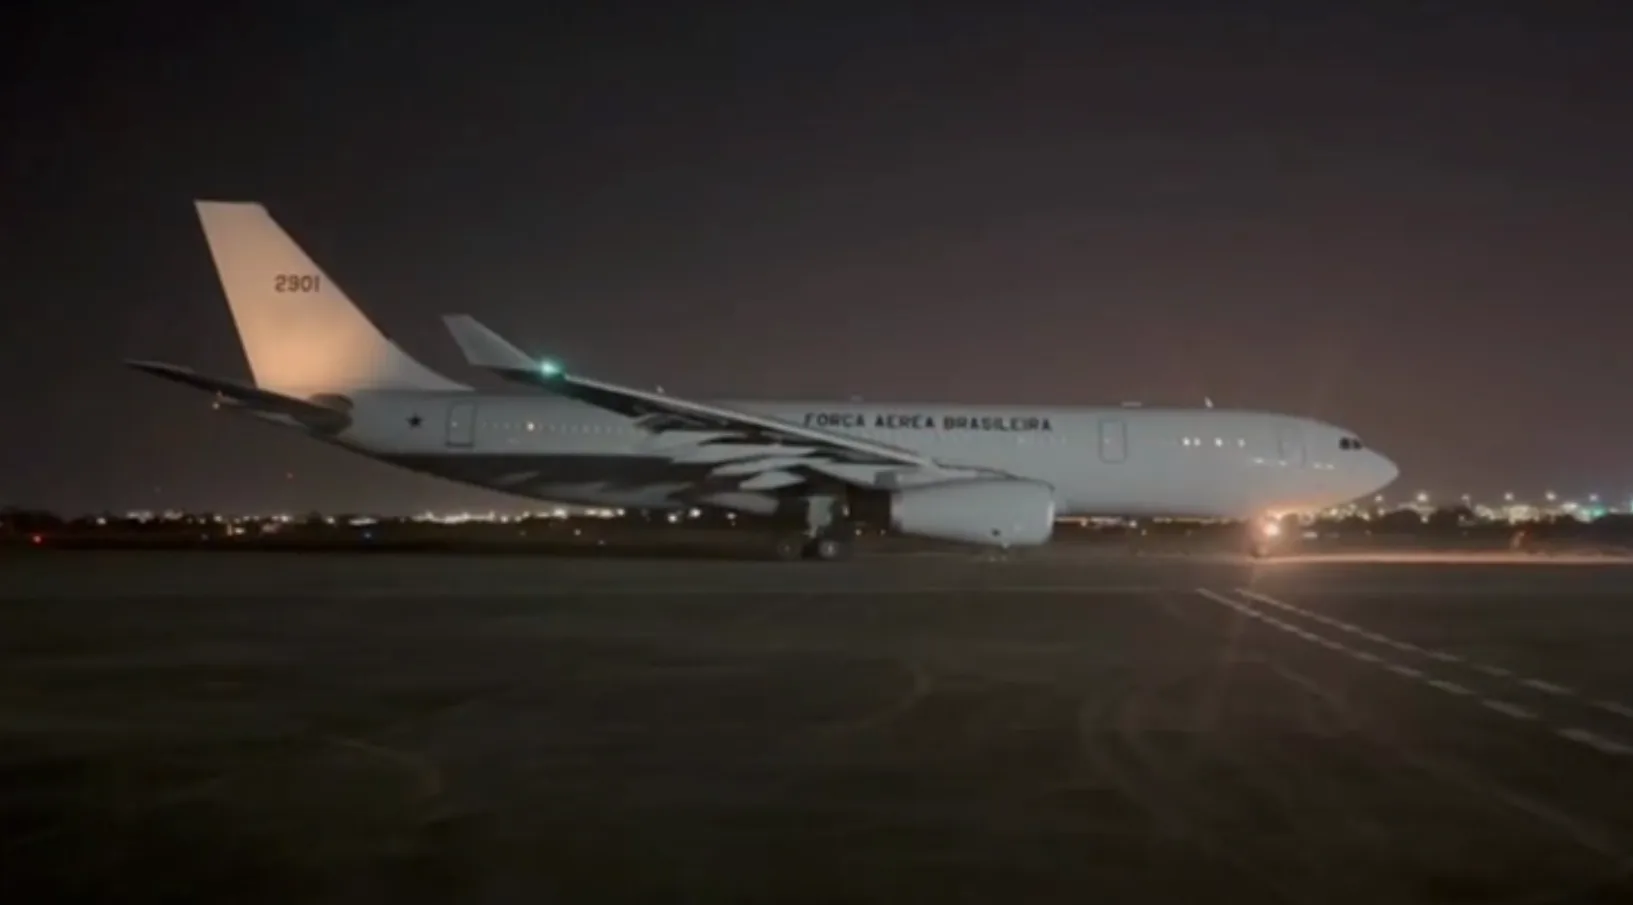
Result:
x=308 y=414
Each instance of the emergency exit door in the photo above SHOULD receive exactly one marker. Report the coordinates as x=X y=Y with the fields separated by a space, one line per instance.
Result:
x=462 y=424
x=1113 y=440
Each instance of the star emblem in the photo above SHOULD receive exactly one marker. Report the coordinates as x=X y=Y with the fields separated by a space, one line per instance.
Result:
x=415 y=420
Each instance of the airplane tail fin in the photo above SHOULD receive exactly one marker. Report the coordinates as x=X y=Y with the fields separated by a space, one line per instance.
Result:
x=300 y=332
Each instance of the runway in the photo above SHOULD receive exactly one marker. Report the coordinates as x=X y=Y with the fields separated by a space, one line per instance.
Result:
x=266 y=727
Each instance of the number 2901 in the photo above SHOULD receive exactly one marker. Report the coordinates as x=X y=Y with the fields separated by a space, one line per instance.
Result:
x=296 y=282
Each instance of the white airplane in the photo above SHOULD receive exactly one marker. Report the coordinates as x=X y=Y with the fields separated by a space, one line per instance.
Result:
x=996 y=476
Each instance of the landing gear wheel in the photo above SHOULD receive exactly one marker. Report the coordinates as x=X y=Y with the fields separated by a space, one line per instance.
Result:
x=1259 y=550
x=827 y=549
x=788 y=547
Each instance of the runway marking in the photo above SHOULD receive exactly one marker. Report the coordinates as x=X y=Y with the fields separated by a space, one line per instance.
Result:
x=1593 y=740
x=1596 y=741
x=1335 y=623
x=1591 y=838
x=1535 y=684
x=1613 y=707
x=1507 y=709
x=1548 y=687
x=1217 y=597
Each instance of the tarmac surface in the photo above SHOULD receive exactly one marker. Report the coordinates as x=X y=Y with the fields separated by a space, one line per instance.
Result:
x=282 y=728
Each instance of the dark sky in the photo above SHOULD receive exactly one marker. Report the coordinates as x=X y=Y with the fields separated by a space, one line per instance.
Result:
x=1416 y=225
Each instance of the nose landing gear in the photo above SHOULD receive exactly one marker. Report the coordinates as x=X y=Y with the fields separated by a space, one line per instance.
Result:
x=1264 y=537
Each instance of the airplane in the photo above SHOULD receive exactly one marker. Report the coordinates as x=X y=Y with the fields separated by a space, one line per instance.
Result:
x=985 y=475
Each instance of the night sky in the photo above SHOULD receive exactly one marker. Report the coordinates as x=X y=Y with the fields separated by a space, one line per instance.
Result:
x=1418 y=226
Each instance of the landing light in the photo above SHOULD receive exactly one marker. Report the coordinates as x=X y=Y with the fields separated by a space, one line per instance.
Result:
x=549 y=369
x=1271 y=529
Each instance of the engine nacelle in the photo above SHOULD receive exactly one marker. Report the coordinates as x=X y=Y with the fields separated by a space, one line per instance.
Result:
x=992 y=512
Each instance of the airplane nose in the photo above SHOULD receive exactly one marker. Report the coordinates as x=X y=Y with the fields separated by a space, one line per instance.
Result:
x=1387 y=472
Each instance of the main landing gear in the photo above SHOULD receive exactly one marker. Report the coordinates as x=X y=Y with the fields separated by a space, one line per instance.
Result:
x=827 y=536
x=824 y=549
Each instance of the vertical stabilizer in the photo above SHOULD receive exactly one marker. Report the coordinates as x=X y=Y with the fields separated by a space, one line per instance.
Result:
x=301 y=334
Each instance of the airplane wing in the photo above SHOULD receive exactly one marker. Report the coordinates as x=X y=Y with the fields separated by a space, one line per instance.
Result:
x=665 y=414
x=312 y=415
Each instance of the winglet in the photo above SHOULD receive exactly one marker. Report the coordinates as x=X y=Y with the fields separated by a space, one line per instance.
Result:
x=484 y=348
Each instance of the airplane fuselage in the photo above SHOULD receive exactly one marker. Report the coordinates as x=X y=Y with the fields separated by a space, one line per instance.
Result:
x=1131 y=461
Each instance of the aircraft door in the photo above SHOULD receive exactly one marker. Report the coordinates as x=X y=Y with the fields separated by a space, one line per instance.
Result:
x=1290 y=439
x=1113 y=440
x=462 y=424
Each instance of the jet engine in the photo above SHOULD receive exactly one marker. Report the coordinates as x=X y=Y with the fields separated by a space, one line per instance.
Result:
x=990 y=512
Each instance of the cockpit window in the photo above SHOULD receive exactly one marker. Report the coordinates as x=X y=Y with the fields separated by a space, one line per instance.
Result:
x=1350 y=443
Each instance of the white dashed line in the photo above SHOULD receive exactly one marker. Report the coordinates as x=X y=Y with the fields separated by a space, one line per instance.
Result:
x=1580 y=736
x=1507 y=709
x=1217 y=597
x=1499 y=672
x=1596 y=741
x=1613 y=707
x=1548 y=687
